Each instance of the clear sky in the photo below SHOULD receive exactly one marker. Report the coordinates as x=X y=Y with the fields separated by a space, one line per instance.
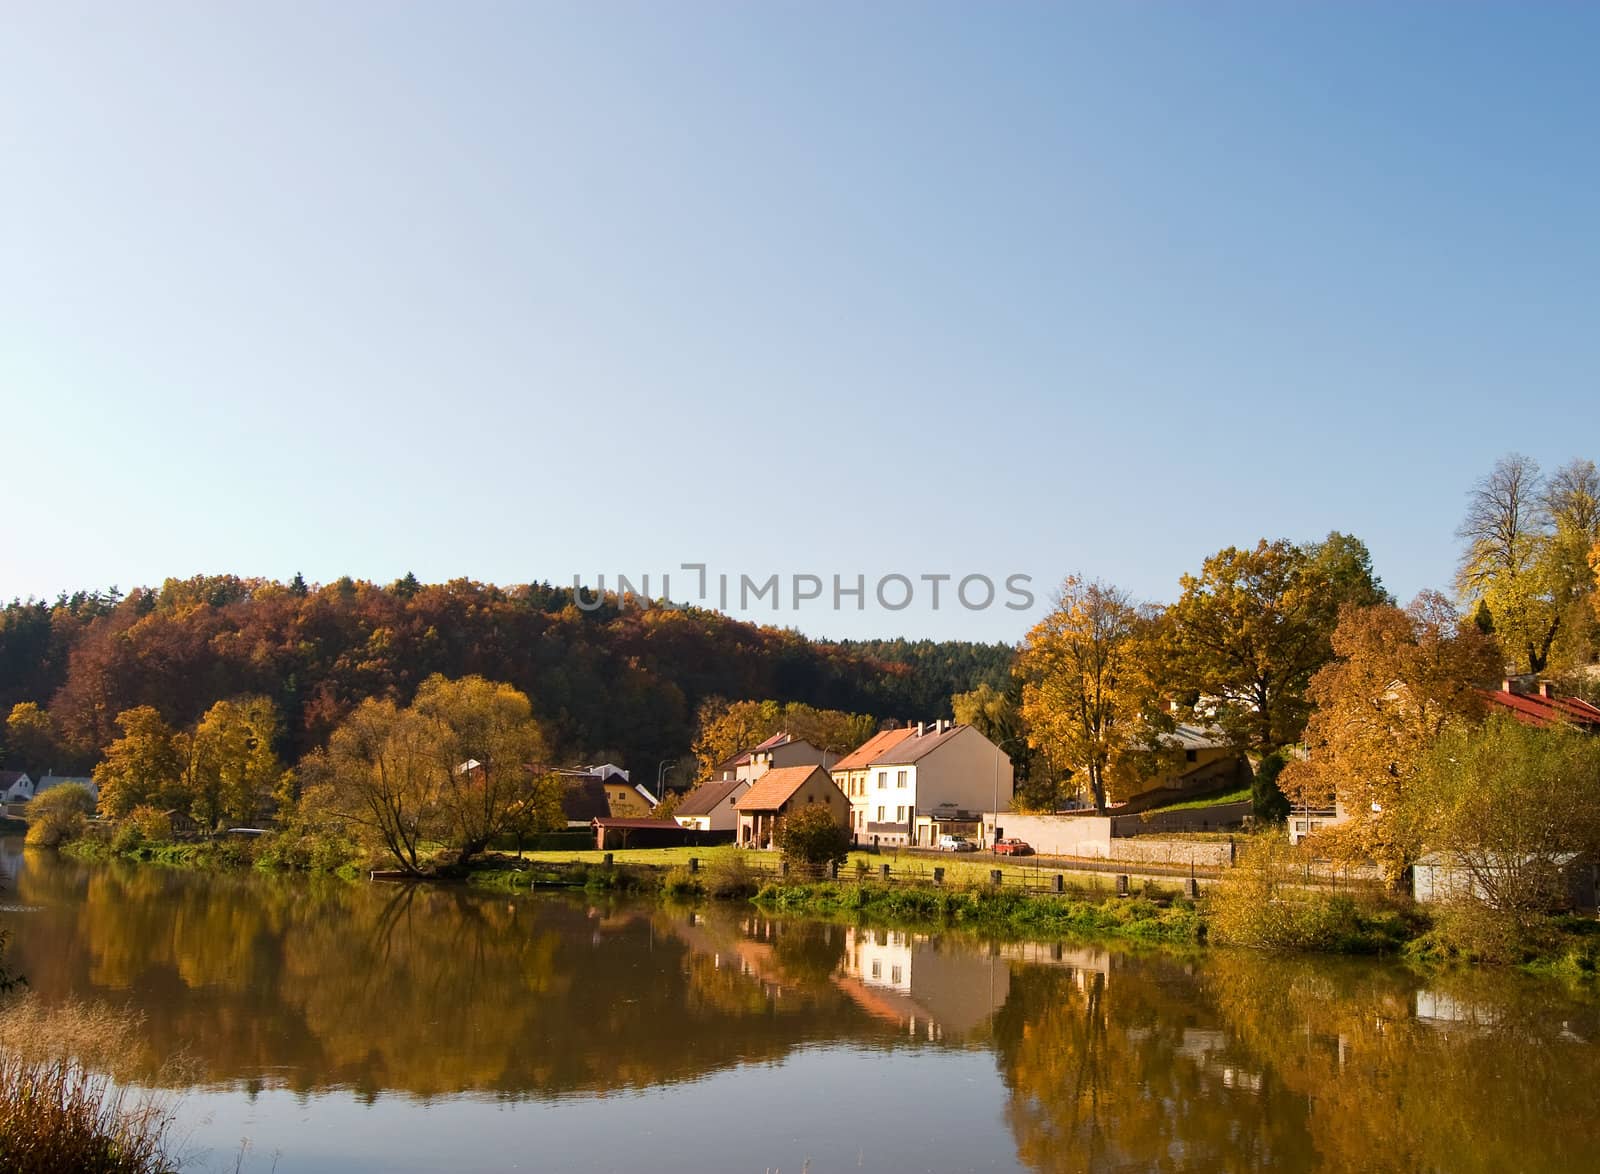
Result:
x=517 y=291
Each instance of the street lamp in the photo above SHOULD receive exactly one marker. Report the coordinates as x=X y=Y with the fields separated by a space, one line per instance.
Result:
x=661 y=774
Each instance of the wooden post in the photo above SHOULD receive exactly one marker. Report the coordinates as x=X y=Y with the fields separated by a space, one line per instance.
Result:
x=610 y=859
x=783 y=868
x=1122 y=884
x=938 y=875
x=1058 y=883
x=996 y=877
x=694 y=864
x=884 y=871
x=1191 y=889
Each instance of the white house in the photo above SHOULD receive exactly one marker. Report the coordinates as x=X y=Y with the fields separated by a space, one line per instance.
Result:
x=54 y=780
x=15 y=786
x=928 y=781
x=712 y=806
x=782 y=749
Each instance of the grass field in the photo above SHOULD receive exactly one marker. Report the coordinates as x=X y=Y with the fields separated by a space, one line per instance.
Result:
x=1238 y=796
x=959 y=868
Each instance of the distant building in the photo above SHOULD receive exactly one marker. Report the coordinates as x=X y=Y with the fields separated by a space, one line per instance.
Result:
x=712 y=806
x=15 y=786
x=782 y=749
x=49 y=781
x=781 y=791
x=1445 y=876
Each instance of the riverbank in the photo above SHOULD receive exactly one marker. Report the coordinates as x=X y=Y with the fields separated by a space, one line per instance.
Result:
x=1304 y=920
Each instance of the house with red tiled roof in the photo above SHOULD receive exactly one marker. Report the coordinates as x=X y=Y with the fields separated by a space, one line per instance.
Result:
x=1539 y=705
x=782 y=790
x=915 y=785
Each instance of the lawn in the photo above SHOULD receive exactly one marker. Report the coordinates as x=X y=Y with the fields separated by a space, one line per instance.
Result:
x=959 y=868
x=1238 y=796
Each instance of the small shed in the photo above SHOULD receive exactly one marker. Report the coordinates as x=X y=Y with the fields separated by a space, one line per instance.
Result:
x=642 y=833
x=1446 y=876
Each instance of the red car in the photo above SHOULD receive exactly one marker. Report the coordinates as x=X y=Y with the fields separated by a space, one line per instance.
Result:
x=1010 y=846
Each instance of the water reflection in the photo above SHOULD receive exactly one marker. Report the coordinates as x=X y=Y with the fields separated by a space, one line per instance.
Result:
x=1105 y=1060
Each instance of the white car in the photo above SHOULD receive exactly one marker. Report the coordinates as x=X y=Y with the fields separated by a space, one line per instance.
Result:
x=956 y=844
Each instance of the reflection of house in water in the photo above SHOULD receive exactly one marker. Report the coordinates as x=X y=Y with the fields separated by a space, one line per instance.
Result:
x=928 y=986
x=1438 y=1009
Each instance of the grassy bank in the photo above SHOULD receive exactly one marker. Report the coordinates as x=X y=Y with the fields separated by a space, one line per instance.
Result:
x=1000 y=912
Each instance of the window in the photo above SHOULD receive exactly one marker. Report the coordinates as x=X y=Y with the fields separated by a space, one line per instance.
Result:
x=900 y=778
x=1190 y=756
x=894 y=975
x=883 y=780
x=877 y=969
x=899 y=815
x=880 y=815
x=810 y=799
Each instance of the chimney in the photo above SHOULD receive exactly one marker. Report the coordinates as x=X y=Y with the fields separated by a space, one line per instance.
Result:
x=1505 y=686
x=921 y=729
x=1547 y=690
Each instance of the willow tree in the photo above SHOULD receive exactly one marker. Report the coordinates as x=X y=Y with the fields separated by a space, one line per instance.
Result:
x=1085 y=692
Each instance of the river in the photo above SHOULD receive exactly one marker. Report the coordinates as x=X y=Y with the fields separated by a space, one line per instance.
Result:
x=397 y=1028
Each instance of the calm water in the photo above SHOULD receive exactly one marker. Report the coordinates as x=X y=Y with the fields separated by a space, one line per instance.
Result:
x=369 y=1027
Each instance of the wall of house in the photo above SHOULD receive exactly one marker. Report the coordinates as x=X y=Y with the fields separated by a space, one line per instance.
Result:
x=968 y=772
x=724 y=817
x=818 y=788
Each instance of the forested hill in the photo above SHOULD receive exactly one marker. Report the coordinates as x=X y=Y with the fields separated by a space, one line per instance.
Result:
x=608 y=682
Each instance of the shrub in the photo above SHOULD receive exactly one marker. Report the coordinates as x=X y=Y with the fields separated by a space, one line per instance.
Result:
x=154 y=826
x=811 y=837
x=1257 y=904
x=53 y=828
x=680 y=882
x=729 y=877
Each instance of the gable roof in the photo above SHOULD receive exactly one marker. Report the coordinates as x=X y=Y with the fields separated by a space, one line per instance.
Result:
x=584 y=799
x=1534 y=709
x=8 y=777
x=880 y=743
x=775 y=788
x=707 y=797
x=908 y=750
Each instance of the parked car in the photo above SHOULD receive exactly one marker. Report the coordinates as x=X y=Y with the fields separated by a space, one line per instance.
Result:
x=956 y=844
x=1011 y=846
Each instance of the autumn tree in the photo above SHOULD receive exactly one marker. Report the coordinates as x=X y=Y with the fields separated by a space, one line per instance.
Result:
x=232 y=768
x=811 y=836
x=484 y=743
x=1524 y=559
x=1245 y=636
x=727 y=728
x=145 y=765
x=31 y=737
x=1086 y=696
x=379 y=775
x=1398 y=681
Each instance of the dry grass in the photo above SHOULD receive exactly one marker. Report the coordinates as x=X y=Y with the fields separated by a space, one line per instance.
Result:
x=61 y=1108
x=59 y=1116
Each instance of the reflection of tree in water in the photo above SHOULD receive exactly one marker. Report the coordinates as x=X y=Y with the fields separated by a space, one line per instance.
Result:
x=1477 y=1071
x=430 y=990
x=1123 y=1069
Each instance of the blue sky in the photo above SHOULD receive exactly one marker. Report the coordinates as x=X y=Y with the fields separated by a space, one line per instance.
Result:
x=517 y=292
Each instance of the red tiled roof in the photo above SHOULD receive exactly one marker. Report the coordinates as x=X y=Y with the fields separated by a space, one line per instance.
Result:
x=608 y=822
x=773 y=789
x=908 y=751
x=862 y=756
x=1536 y=710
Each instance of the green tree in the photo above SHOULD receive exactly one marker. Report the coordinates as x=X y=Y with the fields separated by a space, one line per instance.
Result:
x=812 y=837
x=1524 y=559
x=379 y=776
x=1512 y=804
x=145 y=765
